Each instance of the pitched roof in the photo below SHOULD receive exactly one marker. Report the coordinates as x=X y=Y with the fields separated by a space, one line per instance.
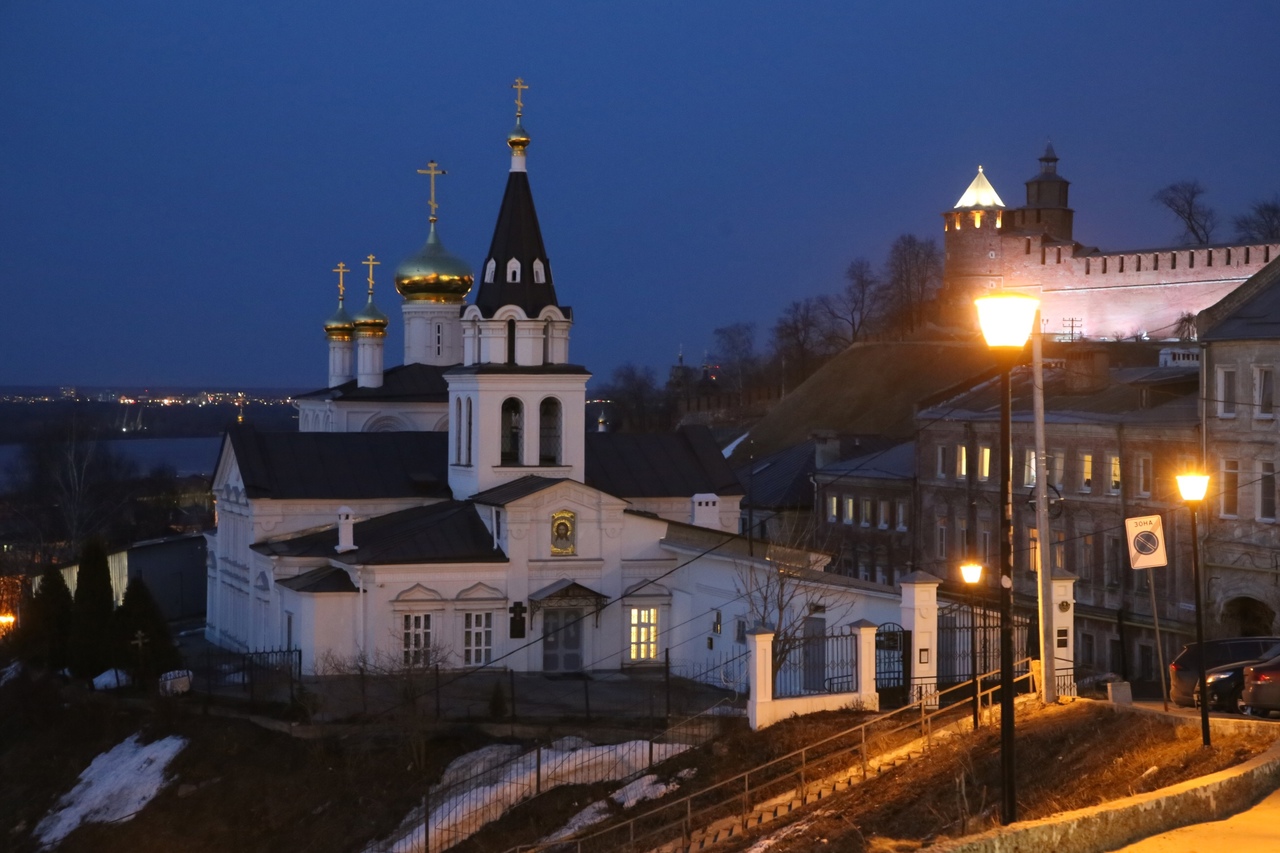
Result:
x=516 y=235
x=323 y=579
x=782 y=480
x=410 y=383
x=341 y=465
x=654 y=465
x=1250 y=312
x=894 y=463
x=448 y=532
x=979 y=194
x=516 y=489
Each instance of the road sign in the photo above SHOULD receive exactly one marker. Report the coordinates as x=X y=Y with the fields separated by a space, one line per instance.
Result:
x=1146 y=542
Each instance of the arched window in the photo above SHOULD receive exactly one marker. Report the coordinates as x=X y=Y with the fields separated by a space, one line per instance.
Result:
x=512 y=434
x=549 y=432
x=469 y=428
x=511 y=342
x=539 y=273
x=513 y=271
x=457 y=437
x=489 y=270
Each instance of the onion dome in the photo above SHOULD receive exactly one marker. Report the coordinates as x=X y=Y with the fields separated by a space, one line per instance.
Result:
x=518 y=139
x=370 y=321
x=433 y=275
x=340 y=325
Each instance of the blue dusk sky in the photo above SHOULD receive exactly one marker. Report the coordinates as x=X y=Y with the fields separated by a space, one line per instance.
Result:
x=177 y=180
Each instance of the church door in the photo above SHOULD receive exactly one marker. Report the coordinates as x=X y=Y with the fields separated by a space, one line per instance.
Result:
x=562 y=639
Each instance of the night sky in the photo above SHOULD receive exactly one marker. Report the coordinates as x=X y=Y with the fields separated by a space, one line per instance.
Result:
x=177 y=179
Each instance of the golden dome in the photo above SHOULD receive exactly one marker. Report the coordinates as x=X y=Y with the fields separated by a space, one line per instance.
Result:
x=433 y=275
x=340 y=325
x=370 y=321
x=518 y=139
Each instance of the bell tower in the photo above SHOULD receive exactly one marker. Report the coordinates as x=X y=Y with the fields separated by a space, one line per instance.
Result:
x=516 y=404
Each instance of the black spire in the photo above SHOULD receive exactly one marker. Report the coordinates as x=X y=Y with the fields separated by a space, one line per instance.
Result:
x=516 y=238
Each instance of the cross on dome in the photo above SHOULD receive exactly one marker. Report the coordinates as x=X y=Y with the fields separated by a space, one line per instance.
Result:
x=431 y=171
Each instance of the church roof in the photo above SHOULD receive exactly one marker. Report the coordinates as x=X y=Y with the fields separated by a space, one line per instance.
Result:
x=341 y=465
x=654 y=465
x=323 y=579
x=407 y=383
x=516 y=489
x=448 y=532
x=979 y=194
x=516 y=236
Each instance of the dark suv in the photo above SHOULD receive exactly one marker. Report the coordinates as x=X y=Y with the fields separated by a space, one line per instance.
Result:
x=1184 y=671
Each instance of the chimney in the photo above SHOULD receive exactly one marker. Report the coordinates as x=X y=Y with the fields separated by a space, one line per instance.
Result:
x=705 y=510
x=1088 y=370
x=826 y=448
x=346 y=531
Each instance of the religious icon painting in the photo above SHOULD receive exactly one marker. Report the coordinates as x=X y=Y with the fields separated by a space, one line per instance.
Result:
x=564 y=533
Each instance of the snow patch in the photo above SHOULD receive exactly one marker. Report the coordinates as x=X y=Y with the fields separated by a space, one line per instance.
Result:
x=733 y=445
x=10 y=672
x=645 y=788
x=588 y=817
x=112 y=679
x=114 y=787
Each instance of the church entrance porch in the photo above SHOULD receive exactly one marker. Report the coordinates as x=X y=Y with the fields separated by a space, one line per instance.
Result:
x=562 y=639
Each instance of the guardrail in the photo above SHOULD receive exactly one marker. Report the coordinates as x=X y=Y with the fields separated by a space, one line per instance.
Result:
x=738 y=796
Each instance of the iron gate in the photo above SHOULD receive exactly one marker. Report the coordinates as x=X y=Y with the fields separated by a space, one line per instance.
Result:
x=893 y=665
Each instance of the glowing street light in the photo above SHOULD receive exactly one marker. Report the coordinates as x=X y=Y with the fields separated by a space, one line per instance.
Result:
x=1192 y=487
x=972 y=573
x=1006 y=321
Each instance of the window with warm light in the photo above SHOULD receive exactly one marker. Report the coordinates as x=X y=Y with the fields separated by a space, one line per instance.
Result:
x=1113 y=468
x=962 y=461
x=644 y=633
x=1033 y=549
x=833 y=508
x=1086 y=472
x=848 y=509
x=984 y=463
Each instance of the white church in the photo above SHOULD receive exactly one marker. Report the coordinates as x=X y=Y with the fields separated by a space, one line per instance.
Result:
x=456 y=510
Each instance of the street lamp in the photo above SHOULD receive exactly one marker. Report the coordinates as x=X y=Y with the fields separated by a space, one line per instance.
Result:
x=1006 y=321
x=1193 y=488
x=972 y=573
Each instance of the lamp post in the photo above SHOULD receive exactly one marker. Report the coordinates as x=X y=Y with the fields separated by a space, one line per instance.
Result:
x=972 y=573
x=1006 y=324
x=1193 y=488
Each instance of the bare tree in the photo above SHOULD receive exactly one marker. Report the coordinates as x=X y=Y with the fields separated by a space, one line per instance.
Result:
x=847 y=312
x=736 y=350
x=1261 y=224
x=637 y=401
x=1183 y=200
x=912 y=278
x=1186 y=327
x=798 y=340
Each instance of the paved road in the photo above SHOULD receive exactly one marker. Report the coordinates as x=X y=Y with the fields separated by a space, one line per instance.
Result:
x=1256 y=830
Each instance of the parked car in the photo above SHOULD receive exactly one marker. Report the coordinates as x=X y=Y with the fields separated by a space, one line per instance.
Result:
x=1184 y=671
x=1261 y=693
x=1225 y=683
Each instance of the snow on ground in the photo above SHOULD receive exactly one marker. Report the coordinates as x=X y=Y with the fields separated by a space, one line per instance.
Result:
x=568 y=761
x=645 y=788
x=588 y=817
x=10 y=672
x=786 y=832
x=111 y=680
x=114 y=787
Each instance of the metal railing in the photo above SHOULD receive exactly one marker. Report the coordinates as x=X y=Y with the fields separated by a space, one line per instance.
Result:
x=826 y=664
x=456 y=810
x=738 y=796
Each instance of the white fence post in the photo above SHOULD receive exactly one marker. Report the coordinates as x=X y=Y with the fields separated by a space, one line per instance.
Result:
x=865 y=630
x=760 y=647
x=920 y=617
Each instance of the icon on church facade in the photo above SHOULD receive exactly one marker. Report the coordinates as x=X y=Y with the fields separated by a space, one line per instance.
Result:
x=564 y=536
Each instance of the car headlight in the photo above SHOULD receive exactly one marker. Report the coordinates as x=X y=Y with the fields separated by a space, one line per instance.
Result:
x=1218 y=676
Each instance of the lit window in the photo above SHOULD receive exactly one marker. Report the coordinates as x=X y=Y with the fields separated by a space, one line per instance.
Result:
x=984 y=463
x=1086 y=472
x=833 y=508
x=1113 y=466
x=848 y=510
x=865 y=519
x=477 y=638
x=962 y=461
x=1033 y=549
x=644 y=633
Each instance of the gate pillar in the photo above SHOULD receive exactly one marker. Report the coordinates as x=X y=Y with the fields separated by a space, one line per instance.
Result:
x=760 y=647
x=865 y=631
x=920 y=617
x=1064 y=625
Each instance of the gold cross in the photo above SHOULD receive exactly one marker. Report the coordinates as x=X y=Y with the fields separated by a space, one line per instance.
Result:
x=520 y=88
x=432 y=170
x=370 y=263
x=341 y=270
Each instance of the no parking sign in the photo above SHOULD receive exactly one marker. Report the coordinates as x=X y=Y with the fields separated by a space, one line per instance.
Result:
x=1146 y=542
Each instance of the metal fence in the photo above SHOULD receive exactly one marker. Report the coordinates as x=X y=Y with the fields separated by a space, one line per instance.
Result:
x=726 y=670
x=262 y=676
x=457 y=808
x=820 y=664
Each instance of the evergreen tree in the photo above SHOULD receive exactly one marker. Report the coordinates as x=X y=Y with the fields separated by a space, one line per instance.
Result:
x=91 y=613
x=139 y=617
x=46 y=631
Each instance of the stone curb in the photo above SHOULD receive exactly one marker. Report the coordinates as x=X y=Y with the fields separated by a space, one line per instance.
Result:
x=1112 y=825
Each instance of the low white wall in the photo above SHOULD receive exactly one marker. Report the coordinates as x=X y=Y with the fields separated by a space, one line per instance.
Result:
x=766 y=713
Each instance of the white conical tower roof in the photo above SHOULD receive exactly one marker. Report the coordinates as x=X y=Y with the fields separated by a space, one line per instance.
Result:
x=980 y=194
